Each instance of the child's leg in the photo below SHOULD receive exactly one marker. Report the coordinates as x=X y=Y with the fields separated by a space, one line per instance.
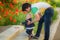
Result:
x=29 y=32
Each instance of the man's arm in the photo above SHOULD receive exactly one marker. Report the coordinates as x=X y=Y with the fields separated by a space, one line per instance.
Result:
x=36 y=19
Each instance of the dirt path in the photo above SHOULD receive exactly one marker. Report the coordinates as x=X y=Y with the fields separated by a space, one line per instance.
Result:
x=3 y=28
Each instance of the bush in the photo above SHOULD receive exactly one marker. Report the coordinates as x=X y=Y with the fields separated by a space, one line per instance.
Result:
x=54 y=16
x=11 y=14
x=58 y=4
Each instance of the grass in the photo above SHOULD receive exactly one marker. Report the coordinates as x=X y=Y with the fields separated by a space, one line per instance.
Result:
x=58 y=4
x=54 y=16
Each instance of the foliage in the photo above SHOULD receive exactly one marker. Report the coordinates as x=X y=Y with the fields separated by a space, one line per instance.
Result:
x=11 y=13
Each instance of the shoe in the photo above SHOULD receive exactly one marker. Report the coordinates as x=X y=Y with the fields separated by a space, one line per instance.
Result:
x=30 y=37
x=34 y=37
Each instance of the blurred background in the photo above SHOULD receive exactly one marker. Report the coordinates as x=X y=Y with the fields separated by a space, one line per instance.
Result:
x=11 y=13
x=11 y=16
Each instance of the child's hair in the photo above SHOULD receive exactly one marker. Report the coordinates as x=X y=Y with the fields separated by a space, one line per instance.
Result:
x=28 y=16
x=25 y=5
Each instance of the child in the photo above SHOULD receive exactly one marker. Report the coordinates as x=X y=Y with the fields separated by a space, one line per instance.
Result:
x=29 y=28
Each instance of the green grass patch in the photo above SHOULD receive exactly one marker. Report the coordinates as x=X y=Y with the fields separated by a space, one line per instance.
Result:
x=54 y=16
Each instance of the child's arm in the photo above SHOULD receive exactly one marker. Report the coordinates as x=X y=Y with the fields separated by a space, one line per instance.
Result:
x=23 y=23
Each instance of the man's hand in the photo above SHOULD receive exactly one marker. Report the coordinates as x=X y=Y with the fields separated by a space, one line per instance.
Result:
x=29 y=22
x=37 y=18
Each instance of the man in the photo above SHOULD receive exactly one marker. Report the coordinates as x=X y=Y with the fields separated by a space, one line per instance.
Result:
x=43 y=13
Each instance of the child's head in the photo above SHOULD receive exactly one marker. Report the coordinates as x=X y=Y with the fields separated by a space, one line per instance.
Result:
x=26 y=7
x=29 y=16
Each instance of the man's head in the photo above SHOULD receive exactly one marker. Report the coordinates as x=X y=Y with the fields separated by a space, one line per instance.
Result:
x=26 y=7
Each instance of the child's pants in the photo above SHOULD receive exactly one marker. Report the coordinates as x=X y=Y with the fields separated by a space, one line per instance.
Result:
x=29 y=31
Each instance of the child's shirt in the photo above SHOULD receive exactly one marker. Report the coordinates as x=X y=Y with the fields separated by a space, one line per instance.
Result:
x=28 y=26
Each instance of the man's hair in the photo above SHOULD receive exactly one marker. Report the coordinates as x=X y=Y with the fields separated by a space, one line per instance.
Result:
x=25 y=5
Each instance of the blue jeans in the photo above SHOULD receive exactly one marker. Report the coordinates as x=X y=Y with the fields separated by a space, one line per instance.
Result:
x=46 y=19
x=29 y=31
